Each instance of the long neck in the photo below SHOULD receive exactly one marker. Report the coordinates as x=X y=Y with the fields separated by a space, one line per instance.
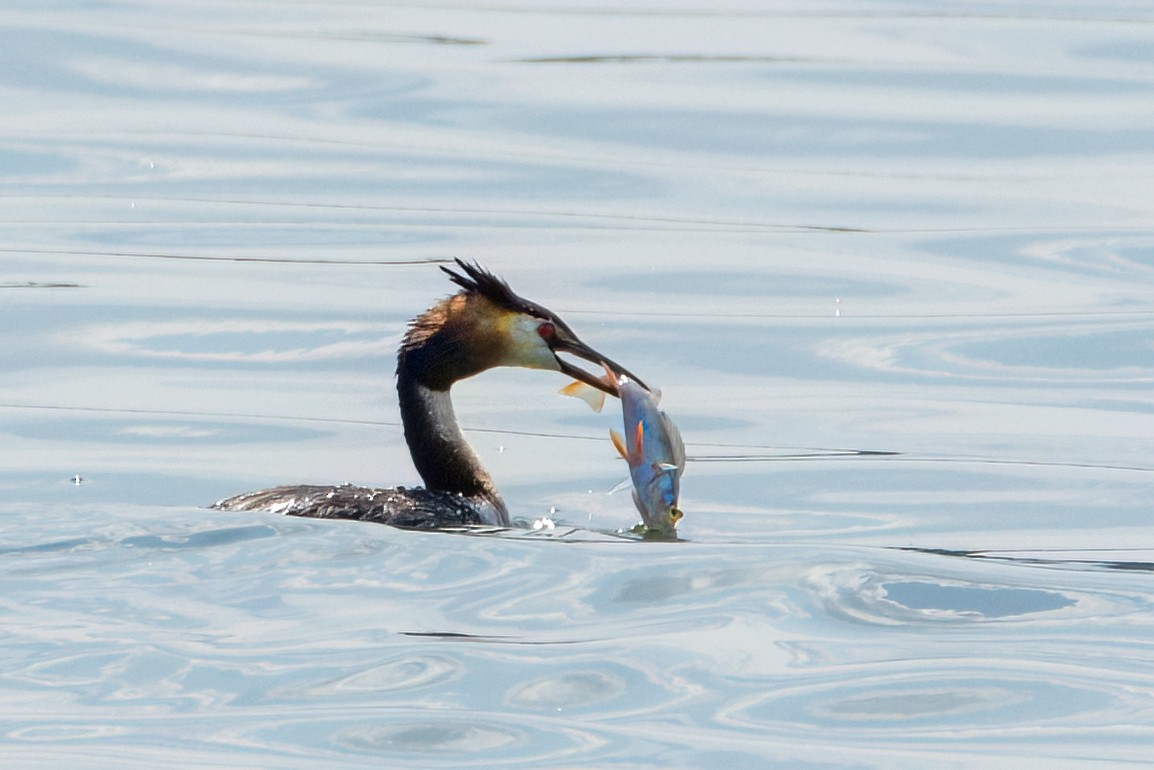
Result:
x=439 y=450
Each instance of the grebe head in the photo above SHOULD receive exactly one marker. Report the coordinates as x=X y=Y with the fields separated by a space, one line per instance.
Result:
x=486 y=325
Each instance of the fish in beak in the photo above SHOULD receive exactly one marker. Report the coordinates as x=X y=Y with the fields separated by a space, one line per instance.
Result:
x=564 y=341
x=653 y=448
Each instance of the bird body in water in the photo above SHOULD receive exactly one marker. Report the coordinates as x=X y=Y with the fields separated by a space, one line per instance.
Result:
x=482 y=326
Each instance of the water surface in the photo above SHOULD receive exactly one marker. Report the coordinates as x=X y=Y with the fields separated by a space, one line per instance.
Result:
x=891 y=267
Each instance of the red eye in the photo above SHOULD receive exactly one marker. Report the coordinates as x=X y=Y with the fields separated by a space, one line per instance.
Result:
x=546 y=330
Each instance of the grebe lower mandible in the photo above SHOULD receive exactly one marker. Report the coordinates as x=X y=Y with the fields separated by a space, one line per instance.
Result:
x=482 y=326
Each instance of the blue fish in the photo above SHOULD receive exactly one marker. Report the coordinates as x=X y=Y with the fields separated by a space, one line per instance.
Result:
x=653 y=448
x=651 y=445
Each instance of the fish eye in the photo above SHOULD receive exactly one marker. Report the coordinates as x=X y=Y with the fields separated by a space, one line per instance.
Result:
x=546 y=330
x=675 y=514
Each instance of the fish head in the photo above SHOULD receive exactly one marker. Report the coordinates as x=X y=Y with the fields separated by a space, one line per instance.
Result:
x=657 y=503
x=656 y=491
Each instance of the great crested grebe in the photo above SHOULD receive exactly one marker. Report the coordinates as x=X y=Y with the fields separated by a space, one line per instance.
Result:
x=482 y=326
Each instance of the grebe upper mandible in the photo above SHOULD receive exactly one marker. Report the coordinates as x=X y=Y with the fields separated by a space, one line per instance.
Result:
x=482 y=326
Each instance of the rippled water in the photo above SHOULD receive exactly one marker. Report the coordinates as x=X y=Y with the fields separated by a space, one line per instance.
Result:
x=892 y=267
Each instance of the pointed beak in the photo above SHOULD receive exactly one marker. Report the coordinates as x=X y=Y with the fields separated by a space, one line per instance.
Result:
x=568 y=343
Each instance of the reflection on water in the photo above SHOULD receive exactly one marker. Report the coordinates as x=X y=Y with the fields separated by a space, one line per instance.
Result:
x=891 y=268
x=556 y=655
x=927 y=705
x=976 y=602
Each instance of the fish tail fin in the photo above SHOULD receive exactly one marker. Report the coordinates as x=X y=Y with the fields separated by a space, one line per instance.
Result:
x=587 y=393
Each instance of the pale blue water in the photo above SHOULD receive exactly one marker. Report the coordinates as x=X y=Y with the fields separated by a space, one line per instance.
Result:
x=893 y=268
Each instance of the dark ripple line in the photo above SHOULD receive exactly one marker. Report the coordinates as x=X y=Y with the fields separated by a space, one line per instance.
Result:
x=796 y=454
x=850 y=317
x=1038 y=561
x=801 y=453
x=40 y=285
x=681 y=313
x=602 y=161
x=726 y=12
x=827 y=454
x=895 y=456
x=728 y=225
x=279 y=418
x=190 y=413
x=1029 y=463
x=205 y=258
x=677 y=223
x=675 y=59
x=372 y=37
x=489 y=638
x=713 y=223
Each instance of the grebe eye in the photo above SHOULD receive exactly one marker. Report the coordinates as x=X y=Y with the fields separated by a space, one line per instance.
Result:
x=546 y=330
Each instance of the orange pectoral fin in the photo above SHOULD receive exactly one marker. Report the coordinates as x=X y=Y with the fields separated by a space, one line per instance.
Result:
x=622 y=448
x=619 y=443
